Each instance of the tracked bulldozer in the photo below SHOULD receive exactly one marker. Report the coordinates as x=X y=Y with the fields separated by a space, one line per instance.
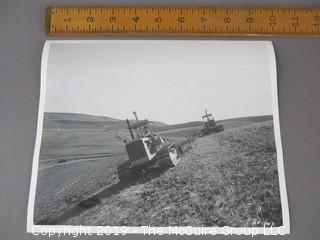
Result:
x=210 y=125
x=146 y=150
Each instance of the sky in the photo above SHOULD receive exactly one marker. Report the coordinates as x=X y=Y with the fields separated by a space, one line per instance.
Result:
x=167 y=81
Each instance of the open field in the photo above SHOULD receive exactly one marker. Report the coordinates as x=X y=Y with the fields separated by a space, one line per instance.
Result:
x=178 y=131
x=79 y=156
x=80 y=153
x=62 y=186
x=227 y=179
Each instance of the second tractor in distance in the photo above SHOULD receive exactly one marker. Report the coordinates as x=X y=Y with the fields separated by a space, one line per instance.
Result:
x=209 y=125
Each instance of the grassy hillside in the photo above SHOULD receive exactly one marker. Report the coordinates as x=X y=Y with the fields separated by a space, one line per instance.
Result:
x=227 y=179
x=229 y=123
x=179 y=131
x=79 y=156
x=61 y=186
x=181 y=125
x=243 y=121
x=80 y=121
x=58 y=120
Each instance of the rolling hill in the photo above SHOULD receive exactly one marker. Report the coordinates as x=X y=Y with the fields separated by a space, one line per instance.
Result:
x=227 y=179
x=80 y=153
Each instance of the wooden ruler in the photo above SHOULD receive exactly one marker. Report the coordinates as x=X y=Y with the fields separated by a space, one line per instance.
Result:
x=182 y=21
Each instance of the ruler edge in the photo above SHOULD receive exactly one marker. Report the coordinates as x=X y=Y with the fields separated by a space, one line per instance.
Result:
x=48 y=17
x=49 y=10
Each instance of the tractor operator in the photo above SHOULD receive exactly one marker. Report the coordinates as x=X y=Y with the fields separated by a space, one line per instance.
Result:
x=154 y=139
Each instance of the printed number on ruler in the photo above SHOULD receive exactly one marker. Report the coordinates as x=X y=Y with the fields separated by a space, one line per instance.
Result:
x=186 y=21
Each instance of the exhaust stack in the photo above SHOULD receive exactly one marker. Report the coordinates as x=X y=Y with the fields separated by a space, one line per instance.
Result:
x=137 y=119
x=130 y=130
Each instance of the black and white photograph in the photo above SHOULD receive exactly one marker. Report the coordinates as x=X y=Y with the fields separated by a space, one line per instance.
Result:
x=170 y=133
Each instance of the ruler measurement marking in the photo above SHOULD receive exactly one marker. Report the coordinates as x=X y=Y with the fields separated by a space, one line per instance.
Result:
x=186 y=21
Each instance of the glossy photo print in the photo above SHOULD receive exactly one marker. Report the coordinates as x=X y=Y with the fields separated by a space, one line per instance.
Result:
x=158 y=136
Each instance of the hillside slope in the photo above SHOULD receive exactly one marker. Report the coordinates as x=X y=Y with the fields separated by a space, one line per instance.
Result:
x=227 y=179
x=69 y=121
x=228 y=123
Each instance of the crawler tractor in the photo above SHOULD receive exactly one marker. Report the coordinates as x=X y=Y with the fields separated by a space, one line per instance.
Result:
x=209 y=125
x=146 y=150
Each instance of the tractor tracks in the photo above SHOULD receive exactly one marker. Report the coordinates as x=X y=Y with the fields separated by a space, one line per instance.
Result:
x=90 y=202
x=106 y=192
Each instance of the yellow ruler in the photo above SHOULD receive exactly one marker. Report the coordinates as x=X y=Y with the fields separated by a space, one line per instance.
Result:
x=182 y=21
